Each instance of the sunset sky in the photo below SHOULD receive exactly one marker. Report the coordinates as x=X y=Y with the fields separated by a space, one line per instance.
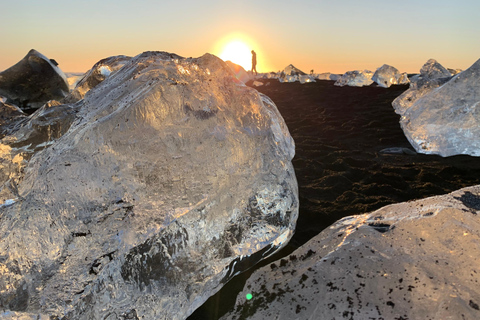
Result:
x=326 y=36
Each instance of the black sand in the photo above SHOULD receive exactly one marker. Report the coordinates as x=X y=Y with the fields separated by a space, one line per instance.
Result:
x=339 y=132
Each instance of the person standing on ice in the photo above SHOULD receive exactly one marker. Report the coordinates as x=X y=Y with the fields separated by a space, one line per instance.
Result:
x=254 y=62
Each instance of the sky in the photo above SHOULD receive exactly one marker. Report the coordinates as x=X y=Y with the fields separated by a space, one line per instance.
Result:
x=324 y=36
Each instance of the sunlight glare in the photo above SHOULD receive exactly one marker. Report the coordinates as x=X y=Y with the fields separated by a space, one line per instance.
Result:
x=237 y=52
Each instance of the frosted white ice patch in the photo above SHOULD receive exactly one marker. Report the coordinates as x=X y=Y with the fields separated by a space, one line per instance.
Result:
x=105 y=71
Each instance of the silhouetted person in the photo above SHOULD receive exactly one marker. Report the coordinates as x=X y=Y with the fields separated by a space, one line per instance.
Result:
x=254 y=62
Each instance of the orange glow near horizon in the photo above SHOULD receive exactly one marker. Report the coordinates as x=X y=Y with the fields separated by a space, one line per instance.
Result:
x=237 y=48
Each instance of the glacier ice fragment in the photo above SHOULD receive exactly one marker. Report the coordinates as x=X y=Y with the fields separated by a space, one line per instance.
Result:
x=168 y=178
x=445 y=121
x=404 y=261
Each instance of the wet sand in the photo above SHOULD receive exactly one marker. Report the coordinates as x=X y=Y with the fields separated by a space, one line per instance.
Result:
x=339 y=133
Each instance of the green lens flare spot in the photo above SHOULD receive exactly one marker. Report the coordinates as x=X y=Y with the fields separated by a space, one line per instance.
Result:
x=249 y=296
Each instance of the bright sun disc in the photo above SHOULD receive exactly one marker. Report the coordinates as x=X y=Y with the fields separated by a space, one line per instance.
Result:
x=238 y=53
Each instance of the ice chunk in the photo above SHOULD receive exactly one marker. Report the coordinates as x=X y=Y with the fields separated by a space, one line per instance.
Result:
x=387 y=75
x=418 y=88
x=355 y=78
x=445 y=121
x=24 y=136
x=99 y=72
x=33 y=81
x=9 y=116
x=433 y=70
x=327 y=76
x=171 y=178
x=454 y=71
x=432 y=75
x=291 y=70
x=306 y=78
x=405 y=261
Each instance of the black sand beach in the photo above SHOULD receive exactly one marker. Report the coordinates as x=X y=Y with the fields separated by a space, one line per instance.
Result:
x=339 y=133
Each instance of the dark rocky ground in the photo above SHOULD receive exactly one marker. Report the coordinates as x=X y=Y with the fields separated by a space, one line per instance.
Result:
x=339 y=133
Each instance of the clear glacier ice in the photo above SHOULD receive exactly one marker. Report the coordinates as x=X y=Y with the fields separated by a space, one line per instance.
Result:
x=386 y=75
x=412 y=260
x=417 y=89
x=445 y=121
x=432 y=69
x=432 y=75
x=355 y=78
x=145 y=197
x=327 y=76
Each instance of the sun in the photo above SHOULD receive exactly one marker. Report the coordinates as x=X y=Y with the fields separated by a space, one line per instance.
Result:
x=237 y=52
x=237 y=47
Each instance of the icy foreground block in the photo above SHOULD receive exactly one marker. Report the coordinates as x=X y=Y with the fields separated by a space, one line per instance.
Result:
x=387 y=75
x=413 y=260
x=33 y=81
x=355 y=79
x=446 y=121
x=172 y=177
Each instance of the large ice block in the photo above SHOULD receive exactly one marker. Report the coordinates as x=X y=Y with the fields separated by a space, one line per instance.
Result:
x=171 y=178
x=445 y=121
x=413 y=260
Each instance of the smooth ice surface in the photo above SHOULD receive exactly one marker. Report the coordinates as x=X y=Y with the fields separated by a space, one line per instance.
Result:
x=414 y=260
x=33 y=81
x=355 y=78
x=445 y=121
x=167 y=179
x=387 y=75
